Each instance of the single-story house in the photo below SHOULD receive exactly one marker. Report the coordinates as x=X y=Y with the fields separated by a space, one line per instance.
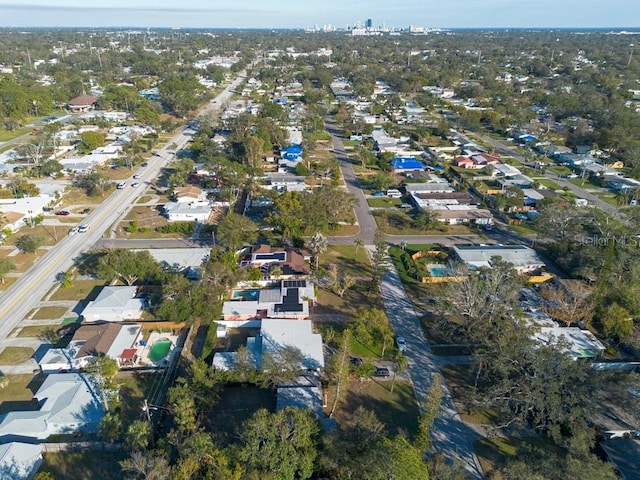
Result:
x=69 y=403
x=285 y=182
x=181 y=260
x=187 y=212
x=292 y=261
x=431 y=187
x=114 y=304
x=189 y=194
x=110 y=339
x=406 y=164
x=28 y=207
x=579 y=343
x=82 y=103
x=278 y=333
x=523 y=258
x=19 y=461
x=477 y=216
x=439 y=200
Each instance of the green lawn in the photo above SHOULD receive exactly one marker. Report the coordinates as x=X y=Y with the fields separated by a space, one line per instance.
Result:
x=560 y=170
x=550 y=184
x=35 y=331
x=84 y=465
x=383 y=202
x=6 y=135
x=398 y=410
x=134 y=388
x=79 y=290
x=15 y=355
x=347 y=260
x=495 y=451
x=373 y=351
x=49 y=313
x=19 y=391
x=356 y=297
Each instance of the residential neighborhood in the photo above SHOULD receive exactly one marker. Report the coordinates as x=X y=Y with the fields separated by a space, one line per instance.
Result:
x=385 y=252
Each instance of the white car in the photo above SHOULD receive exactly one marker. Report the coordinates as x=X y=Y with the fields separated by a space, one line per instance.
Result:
x=121 y=185
x=83 y=228
x=137 y=175
x=402 y=344
x=73 y=231
x=135 y=184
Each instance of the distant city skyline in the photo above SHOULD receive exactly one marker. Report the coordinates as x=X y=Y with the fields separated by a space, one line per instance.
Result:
x=298 y=14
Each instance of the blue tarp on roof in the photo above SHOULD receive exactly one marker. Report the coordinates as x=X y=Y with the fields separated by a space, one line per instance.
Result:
x=407 y=163
x=292 y=152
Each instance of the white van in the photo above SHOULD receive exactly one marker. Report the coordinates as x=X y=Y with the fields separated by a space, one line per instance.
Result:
x=393 y=193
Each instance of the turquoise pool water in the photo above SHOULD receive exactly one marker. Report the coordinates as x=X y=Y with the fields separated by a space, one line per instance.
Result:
x=251 y=294
x=159 y=350
x=438 y=271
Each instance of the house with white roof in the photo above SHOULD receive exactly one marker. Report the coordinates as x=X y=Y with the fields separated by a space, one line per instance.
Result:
x=181 y=260
x=276 y=335
x=114 y=304
x=69 y=403
x=20 y=461
x=22 y=209
x=195 y=211
x=523 y=258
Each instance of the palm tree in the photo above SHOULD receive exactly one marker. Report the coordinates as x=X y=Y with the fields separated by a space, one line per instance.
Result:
x=318 y=245
x=401 y=362
x=358 y=243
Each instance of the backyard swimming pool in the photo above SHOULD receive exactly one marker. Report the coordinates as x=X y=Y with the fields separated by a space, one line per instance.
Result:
x=160 y=349
x=248 y=295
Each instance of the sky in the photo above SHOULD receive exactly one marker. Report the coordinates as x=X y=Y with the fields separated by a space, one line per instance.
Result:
x=307 y=13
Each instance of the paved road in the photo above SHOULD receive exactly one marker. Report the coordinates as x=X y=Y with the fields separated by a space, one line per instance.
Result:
x=366 y=221
x=507 y=149
x=450 y=435
x=26 y=292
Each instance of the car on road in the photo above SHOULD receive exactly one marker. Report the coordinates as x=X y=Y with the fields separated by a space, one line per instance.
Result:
x=381 y=372
x=83 y=228
x=378 y=194
x=135 y=184
x=137 y=175
x=402 y=344
x=64 y=213
x=73 y=231
x=121 y=185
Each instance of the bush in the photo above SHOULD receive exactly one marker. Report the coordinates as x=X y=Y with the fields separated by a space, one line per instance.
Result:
x=180 y=227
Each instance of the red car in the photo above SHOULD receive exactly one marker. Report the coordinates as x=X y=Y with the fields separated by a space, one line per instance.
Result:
x=64 y=213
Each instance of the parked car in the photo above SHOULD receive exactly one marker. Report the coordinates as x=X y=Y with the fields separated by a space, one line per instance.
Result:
x=67 y=331
x=378 y=194
x=402 y=344
x=381 y=372
x=64 y=213
x=355 y=361
x=85 y=211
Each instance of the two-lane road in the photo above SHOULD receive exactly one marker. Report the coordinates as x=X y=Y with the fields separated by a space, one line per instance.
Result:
x=21 y=297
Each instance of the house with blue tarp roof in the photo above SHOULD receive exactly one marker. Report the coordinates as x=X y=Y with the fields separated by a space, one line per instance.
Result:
x=292 y=153
x=406 y=164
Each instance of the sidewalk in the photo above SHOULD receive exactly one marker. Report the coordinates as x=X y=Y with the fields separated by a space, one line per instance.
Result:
x=450 y=435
